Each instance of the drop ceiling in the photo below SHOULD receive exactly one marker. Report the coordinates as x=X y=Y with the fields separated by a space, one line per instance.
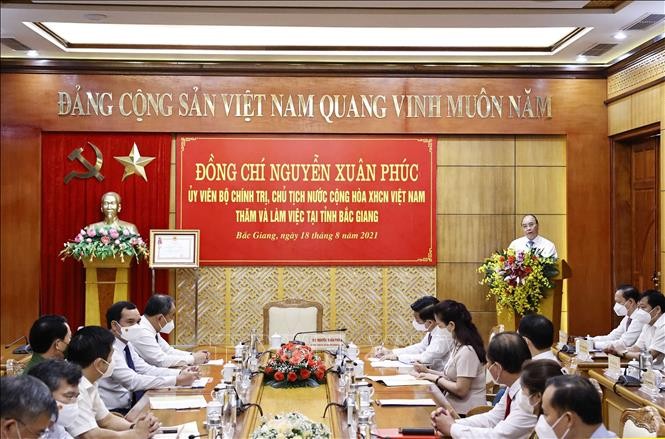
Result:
x=452 y=32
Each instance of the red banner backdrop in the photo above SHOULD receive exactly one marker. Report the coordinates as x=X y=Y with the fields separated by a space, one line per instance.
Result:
x=309 y=200
x=66 y=208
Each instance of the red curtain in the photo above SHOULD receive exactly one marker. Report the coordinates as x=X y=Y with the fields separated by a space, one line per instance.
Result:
x=66 y=208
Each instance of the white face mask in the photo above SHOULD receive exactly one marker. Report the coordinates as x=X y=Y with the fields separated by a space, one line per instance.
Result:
x=166 y=329
x=620 y=309
x=525 y=404
x=130 y=333
x=546 y=431
x=641 y=316
x=109 y=369
x=417 y=326
x=68 y=414
x=494 y=380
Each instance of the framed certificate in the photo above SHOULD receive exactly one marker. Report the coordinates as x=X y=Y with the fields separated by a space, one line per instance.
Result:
x=174 y=248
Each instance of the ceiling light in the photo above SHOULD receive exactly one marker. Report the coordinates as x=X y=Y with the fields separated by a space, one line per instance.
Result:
x=581 y=58
x=620 y=36
x=208 y=37
x=32 y=53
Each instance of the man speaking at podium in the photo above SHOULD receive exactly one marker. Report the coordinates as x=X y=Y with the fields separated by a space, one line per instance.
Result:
x=531 y=240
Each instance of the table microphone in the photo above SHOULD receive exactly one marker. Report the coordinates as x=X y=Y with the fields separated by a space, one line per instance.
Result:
x=23 y=349
x=194 y=436
x=317 y=332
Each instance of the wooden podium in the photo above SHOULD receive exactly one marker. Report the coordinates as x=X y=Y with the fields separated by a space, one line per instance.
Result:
x=550 y=306
x=106 y=282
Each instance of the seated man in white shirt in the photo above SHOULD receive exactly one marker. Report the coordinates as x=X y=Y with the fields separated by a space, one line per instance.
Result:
x=652 y=337
x=62 y=379
x=26 y=407
x=630 y=327
x=508 y=419
x=538 y=332
x=531 y=240
x=435 y=347
x=158 y=316
x=92 y=349
x=571 y=409
x=131 y=375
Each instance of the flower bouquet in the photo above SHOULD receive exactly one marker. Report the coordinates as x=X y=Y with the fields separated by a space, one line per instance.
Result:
x=518 y=279
x=290 y=425
x=294 y=365
x=106 y=242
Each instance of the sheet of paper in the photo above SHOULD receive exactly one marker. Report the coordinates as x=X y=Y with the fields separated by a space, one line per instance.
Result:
x=177 y=402
x=389 y=363
x=218 y=362
x=399 y=380
x=410 y=402
x=200 y=383
x=182 y=431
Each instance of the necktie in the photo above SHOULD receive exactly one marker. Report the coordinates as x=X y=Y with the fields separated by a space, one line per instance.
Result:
x=508 y=401
x=429 y=338
x=130 y=363
x=628 y=322
x=529 y=244
x=157 y=338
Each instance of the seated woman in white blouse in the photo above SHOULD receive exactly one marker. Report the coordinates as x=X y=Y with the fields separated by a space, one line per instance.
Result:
x=462 y=380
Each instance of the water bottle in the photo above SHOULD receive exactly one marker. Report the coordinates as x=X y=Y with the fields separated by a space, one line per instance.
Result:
x=229 y=413
x=364 y=427
x=213 y=415
x=11 y=367
x=633 y=369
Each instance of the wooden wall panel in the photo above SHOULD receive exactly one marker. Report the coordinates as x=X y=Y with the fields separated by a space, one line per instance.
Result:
x=471 y=238
x=618 y=116
x=460 y=281
x=484 y=150
x=540 y=190
x=645 y=106
x=20 y=164
x=540 y=151
x=484 y=321
x=475 y=190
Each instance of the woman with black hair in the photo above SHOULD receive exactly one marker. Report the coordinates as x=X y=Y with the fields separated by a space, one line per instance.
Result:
x=535 y=374
x=462 y=380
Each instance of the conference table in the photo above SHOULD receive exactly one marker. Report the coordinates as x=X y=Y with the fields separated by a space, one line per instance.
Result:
x=311 y=402
x=598 y=362
x=617 y=398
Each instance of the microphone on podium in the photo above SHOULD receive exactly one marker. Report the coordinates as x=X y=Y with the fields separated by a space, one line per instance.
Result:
x=315 y=332
x=23 y=349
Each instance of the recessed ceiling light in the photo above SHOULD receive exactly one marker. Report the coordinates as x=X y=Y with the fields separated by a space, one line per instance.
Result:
x=32 y=53
x=581 y=58
x=620 y=36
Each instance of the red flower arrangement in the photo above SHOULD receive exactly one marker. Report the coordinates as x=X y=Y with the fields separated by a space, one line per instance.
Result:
x=295 y=365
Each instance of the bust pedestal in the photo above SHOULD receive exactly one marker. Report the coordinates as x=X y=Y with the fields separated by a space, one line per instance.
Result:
x=106 y=282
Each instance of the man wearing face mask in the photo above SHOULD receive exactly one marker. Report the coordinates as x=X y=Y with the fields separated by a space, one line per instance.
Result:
x=634 y=319
x=435 y=347
x=652 y=337
x=49 y=338
x=508 y=419
x=62 y=378
x=92 y=349
x=158 y=316
x=131 y=374
x=26 y=407
x=571 y=409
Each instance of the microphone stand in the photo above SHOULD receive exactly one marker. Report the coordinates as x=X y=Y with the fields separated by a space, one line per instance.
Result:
x=23 y=349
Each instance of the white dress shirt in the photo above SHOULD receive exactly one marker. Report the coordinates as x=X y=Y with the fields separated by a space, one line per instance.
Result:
x=623 y=334
x=91 y=409
x=652 y=338
x=603 y=433
x=116 y=390
x=434 y=352
x=493 y=424
x=156 y=351
x=546 y=355
x=547 y=247
x=56 y=431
